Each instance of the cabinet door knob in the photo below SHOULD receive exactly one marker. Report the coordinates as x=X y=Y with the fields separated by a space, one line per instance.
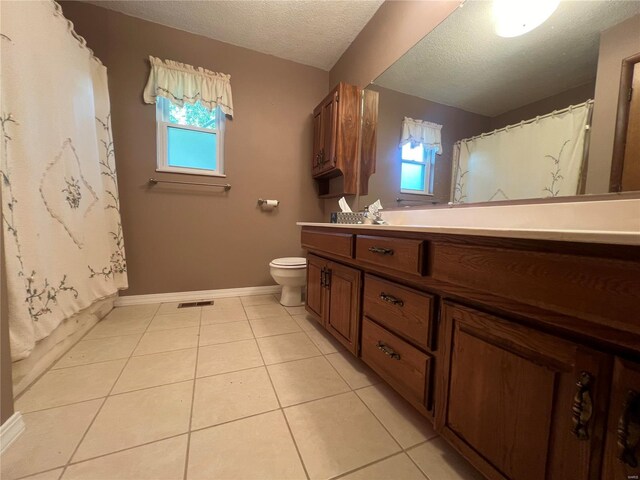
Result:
x=381 y=250
x=322 y=272
x=387 y=350
x=385 y=297
x=582 y=407
x=628 y=431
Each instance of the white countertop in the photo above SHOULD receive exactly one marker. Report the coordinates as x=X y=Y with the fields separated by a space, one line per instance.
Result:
x=615 y=222
x=585 y=236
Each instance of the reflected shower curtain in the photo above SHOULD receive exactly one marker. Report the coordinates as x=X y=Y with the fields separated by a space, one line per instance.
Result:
x=62 y=232
x=543 y=158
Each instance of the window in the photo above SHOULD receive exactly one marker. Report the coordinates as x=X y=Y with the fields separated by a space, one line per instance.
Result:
x=190 y=138
x=418 y=165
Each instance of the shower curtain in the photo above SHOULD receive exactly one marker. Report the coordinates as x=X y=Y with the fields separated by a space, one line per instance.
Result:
x=542 y=157
x=63 y=240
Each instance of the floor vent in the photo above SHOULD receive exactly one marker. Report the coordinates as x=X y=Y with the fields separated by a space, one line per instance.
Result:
x=205 y=303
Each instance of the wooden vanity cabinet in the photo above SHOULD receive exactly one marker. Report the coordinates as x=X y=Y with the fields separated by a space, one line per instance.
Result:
x=333 y=296
x=622 y=446
x=520 y=404
x=524 y=354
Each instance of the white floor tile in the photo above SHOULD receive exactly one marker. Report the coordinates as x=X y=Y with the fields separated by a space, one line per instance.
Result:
x=231 y=396
x=228 y=357
x=157 y=369
x=283 y=348
x=258 y=447
x=304 y=380
x=163 y=460
x=99 y=350
x=49 y=439
x=134 y=418
x=403 y=421
x=70 y=385
x=438 y=460
x=338 y=434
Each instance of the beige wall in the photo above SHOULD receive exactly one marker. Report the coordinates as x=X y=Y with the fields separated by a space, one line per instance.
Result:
x=197 y=238
x=573 y=96
x=616 y=44
x=395 y=28
x=392 y=108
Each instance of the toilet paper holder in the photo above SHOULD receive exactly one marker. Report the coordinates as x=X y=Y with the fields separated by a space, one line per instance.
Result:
x=269 y=203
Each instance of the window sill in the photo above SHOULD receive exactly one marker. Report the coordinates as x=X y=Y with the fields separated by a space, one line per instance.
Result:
x=189 y=171
x=414 y=192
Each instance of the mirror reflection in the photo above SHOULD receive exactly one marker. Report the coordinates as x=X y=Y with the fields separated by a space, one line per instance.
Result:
x=490 y=106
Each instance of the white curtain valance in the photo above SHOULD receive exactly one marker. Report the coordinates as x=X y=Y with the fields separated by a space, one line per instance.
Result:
x=420 y=132
x=182 y=83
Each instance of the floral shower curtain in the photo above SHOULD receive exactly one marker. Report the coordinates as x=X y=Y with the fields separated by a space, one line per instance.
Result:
x=539 y=158
x=63 y=240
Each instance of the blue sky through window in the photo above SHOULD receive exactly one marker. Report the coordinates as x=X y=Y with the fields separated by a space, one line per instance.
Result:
x=191 y=148
x=412 y=176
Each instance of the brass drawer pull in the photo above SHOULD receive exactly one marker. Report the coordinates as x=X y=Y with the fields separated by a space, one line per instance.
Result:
x=628 y=431
x=385 y=297
x=582 y=407
x=381 y=250
x=387 y=351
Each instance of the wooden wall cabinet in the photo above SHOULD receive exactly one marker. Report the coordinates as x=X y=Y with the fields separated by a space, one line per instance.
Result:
x=338 y=129
x=333 y=296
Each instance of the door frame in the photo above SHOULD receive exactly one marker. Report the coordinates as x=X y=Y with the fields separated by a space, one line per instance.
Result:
x=622 y=121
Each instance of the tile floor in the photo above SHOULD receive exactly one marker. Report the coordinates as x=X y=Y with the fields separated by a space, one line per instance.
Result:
x=245 y=389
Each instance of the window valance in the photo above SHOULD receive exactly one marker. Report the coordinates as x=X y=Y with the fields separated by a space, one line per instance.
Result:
x=420 y=132
x=181 y=83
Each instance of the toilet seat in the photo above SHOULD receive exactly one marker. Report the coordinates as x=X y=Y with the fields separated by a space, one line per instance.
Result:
x=289 y=262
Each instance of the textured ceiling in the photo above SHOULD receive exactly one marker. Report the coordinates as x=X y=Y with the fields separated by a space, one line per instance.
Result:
x=464 y=64
x=311 y=32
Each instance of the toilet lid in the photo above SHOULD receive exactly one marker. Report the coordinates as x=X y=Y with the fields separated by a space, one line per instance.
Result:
x=290 y=262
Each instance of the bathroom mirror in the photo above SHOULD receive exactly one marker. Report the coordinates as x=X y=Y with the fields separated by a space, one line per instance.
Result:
x=483 y=117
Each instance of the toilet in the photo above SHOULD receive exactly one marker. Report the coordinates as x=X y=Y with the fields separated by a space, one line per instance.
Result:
x=291 y=273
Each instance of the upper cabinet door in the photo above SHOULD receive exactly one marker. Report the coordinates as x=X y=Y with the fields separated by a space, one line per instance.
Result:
x=318 y=141
x=622 y=450
x=329 y=129
x=520 y=404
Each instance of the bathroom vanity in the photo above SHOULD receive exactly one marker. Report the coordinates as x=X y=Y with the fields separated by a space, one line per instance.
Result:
x=523 y=352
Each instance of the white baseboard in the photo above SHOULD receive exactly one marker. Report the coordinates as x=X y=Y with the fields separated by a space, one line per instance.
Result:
x=11 y=430
x=194 y=296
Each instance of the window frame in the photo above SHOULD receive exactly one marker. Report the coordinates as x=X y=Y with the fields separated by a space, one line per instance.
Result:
x=429 y=162
x=162 y=134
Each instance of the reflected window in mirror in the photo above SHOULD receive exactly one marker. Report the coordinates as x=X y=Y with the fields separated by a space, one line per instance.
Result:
x=417 y=169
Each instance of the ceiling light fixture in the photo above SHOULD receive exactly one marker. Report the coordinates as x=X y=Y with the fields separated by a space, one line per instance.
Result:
x=517 y=17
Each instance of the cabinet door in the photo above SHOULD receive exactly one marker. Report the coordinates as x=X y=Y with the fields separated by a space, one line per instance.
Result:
x=318 y=141
x=520 y=404
x=329 y=132
x=622 y=450
x=342 y=319
x=315 y=285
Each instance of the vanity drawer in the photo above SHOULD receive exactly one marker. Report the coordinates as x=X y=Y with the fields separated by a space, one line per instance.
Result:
x=403 y=366
x=400 y=254
x=403 y=310
x=340 y=244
